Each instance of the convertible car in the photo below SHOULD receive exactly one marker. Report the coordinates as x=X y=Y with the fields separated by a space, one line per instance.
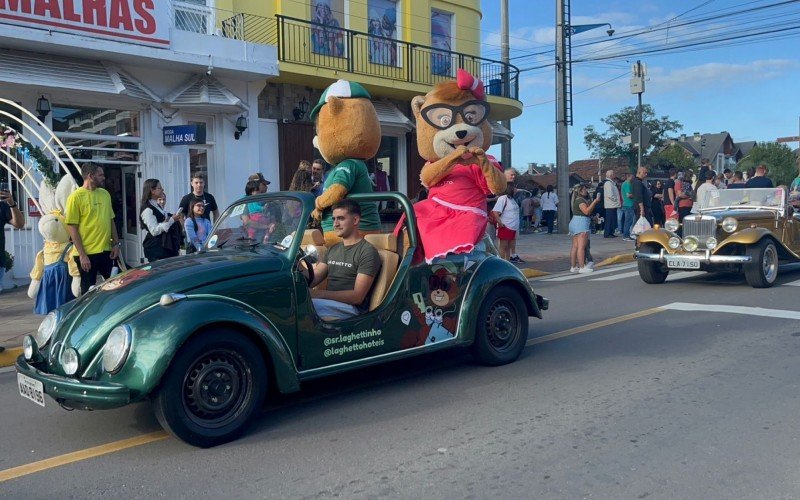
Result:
x=207 y=336
x=738 y=230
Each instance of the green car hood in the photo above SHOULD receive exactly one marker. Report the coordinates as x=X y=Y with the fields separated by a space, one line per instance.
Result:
x=86 y=324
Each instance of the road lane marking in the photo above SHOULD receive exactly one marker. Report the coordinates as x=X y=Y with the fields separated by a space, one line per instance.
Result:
x=595 y=273
x=614 y=277
x=792 y=283
x=684 y=274
x=718 y=308
x=76 y=456
x=593 y=326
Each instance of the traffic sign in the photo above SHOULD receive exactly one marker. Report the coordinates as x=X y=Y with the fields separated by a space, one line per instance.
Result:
x=645 y=137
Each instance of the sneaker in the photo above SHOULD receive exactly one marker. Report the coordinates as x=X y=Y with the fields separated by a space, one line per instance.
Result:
x=590 y=264
x=573 y=269
x=627 y=238
x=515 y=259
x=585 y=269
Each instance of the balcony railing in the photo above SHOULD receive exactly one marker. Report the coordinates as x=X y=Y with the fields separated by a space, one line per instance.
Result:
x=318 y=45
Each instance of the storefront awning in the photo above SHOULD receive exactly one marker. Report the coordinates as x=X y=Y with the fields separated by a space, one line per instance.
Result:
x=207 y=93
x=500 y=134
x=25 y=68
x=391 y=118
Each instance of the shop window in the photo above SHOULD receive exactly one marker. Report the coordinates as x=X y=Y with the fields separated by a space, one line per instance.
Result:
x=95 y=121
x=385 y=161
x=383 y=25
x=195 y=16
x=442 y=39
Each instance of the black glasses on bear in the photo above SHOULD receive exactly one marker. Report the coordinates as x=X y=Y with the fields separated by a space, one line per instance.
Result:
x=442 y=116
x=437 y=283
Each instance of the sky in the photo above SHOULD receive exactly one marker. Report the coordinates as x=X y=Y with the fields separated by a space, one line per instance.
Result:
x=749 y=88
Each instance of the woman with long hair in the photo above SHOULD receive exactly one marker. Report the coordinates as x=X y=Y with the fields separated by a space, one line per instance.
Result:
x=659 y=216
x=302 y=181
x=579 y=227
x=161 y=238
x=197 y=227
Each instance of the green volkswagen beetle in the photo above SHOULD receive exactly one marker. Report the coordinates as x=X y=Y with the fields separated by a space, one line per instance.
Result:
x=207 y=336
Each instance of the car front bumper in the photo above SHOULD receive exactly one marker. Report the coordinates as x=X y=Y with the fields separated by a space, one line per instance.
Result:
x=704 y=258
x=75 y=393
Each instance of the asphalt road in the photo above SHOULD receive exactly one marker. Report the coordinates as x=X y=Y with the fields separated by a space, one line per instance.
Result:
x=692 y=400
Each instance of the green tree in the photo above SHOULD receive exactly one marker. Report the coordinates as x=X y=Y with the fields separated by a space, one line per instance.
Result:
x=609 y=144
x=673 y=156
x=779 y=159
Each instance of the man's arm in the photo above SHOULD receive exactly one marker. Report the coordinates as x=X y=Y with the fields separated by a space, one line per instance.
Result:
x=17 y=217
x=320 y=273
x=114 y=241
x=671 y=194
x=354 y=297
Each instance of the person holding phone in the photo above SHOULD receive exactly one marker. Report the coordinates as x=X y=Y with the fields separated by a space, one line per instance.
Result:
x=9 y=214
x=579 y=227
x=161 y=239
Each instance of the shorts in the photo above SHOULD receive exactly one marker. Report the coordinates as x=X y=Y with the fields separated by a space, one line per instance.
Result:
x=504 y=233
x=579 y=224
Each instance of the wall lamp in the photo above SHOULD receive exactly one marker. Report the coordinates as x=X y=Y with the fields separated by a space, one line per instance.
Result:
x=301 y=109
x=42 y=108
x=241 y=126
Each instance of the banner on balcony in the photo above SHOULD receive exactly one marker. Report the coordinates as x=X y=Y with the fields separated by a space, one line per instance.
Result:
x=144 y=22
x=383 y=23
x=441 y=38
x=327 y=35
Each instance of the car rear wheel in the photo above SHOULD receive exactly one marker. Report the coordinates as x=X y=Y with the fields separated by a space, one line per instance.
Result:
x=214 y=386
x=762 y=270
x=502 y=327
x=652 y=272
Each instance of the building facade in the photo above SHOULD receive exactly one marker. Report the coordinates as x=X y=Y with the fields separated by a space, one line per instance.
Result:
x=118 y=79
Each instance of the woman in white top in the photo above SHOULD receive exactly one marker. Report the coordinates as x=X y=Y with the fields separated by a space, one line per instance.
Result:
x=549 y=207
x=161 y=238
x=703 y=191
x=506 y=216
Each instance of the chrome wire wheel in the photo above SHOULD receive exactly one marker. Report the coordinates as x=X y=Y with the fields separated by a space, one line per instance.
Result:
x=216 y=387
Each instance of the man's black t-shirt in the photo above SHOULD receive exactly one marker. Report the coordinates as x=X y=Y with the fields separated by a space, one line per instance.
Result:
x=208 y=200
x=759 y=181
x=5 y=218
x=667 y=185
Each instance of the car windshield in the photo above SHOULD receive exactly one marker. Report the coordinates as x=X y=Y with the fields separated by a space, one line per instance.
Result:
x=756 y=197
x=267 y=223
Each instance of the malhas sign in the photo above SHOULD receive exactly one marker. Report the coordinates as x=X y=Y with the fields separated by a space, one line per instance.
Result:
x=135 y=21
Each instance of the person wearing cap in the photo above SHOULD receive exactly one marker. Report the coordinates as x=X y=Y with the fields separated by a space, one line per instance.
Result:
x=198 y=192
x=760 y=179
x=263 y=184
x=348 y=133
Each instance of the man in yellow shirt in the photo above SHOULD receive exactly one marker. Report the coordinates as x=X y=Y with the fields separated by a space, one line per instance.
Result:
x=90 y=222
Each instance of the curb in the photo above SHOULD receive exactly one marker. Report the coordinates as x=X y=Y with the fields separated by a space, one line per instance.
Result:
x=9 y=356
x=533 y=273
x=623 y=258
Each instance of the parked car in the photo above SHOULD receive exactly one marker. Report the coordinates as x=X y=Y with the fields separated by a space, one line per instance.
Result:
x=740 y=230
x=207 y=336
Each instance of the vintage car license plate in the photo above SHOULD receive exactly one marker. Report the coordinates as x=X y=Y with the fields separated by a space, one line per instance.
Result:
x=31 y=389
x=682 y=263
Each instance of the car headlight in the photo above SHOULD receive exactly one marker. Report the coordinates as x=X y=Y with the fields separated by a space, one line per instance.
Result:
x=46 y=329
x=711 y=243
x=28 y=347
x=729 y=225
x=69 y=361
x=690 y=244
x=117 y=347
x=674 y=242
x=672 y=225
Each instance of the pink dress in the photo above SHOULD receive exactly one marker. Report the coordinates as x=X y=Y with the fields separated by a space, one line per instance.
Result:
x=453 y=218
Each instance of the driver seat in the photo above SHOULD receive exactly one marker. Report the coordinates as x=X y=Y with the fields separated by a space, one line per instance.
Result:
x=386 y=245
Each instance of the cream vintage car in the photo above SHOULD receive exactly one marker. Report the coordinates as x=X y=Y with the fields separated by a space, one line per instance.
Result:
x=738 y=230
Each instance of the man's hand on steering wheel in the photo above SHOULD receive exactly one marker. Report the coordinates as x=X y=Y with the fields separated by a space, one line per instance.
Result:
x=304 y=258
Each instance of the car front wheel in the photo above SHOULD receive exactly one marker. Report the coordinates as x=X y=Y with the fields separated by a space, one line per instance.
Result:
x=762 y=270
x=502 y=327
x=214 y=386
x=651 y=272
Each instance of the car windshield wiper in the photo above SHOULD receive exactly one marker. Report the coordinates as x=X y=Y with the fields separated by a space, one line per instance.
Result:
x=245 y=241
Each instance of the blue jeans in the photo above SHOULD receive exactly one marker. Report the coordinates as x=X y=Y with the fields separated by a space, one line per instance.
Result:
x=619 y=219
x=627 y=221
x=332 y=310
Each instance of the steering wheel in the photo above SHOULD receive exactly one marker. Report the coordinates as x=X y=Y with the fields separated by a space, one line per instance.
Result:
x=306 y=259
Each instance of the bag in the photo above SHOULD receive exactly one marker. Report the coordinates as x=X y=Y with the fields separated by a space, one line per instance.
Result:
x=669 y=212
x=641 y=226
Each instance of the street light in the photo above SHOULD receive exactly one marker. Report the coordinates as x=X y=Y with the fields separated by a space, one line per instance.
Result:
x=564 y=32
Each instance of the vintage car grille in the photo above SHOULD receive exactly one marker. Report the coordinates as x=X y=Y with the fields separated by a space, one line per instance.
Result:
x=702 y=229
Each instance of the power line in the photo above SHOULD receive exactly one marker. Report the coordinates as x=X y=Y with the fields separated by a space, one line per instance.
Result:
x=583 y=91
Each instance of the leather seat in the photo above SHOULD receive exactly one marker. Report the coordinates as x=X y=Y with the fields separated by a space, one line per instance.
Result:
x=386 y=244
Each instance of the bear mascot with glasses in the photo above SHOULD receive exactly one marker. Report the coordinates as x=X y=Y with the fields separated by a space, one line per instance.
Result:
x=453 y=133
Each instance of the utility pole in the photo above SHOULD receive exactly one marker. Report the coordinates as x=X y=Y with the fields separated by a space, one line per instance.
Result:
x=639 y=71
x=562 y=138
x=505 y=148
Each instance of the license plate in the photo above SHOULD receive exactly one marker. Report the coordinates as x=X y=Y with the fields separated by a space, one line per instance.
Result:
x=30 y=388
x=674 y=263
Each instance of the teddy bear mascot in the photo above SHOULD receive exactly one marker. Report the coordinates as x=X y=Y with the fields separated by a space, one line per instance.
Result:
x=453 y=134
x=51 y=285
x=348 y=132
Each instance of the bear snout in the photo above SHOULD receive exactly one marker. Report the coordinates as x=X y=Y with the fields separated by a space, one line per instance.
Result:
x=461 y=134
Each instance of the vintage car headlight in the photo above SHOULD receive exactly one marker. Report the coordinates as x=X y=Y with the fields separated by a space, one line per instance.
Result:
x=672 y=225
x=690 y=244
x=46 y=329
x=117 y=347
x=711 y=243
x=729 y=225
x=28 y=347
x=674 y=242
x=69 y=361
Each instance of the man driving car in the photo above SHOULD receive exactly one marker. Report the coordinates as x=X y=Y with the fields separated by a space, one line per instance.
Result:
x=350 y=267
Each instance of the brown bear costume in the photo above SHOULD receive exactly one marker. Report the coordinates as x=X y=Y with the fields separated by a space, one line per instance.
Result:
x=453 y=134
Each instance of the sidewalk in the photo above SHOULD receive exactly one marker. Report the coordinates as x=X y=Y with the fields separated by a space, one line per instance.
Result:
x=543 y=254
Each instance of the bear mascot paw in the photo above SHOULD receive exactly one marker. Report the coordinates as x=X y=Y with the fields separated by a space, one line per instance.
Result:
x=453 y=134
